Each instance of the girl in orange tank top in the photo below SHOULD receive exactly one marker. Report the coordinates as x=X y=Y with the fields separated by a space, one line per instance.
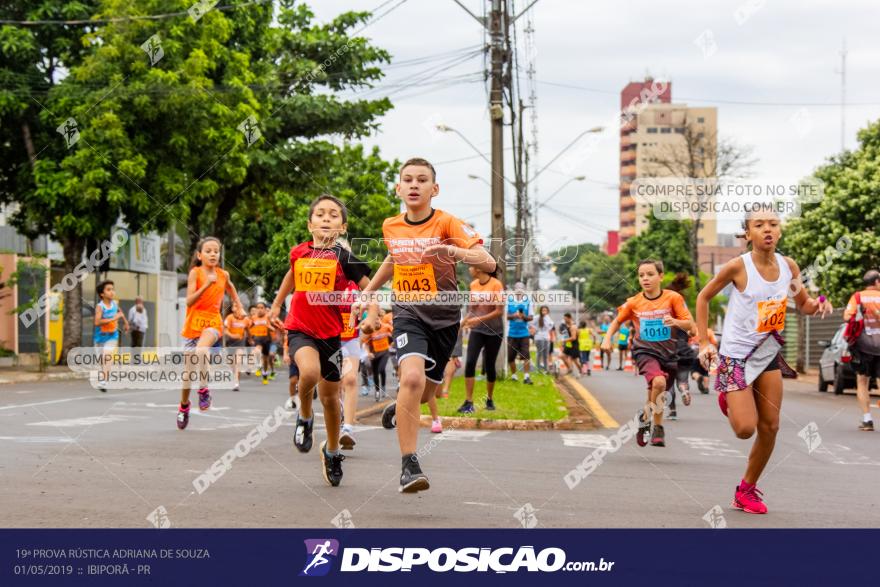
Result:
x=203 y=327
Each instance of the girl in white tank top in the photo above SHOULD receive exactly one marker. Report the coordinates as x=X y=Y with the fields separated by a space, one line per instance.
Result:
x=750 y=366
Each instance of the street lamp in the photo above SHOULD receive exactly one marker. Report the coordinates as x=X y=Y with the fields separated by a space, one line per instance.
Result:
x=550 y=197
x=577 y=281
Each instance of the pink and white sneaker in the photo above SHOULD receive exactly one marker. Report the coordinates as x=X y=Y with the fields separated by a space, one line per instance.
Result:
x=436 y=426
x=749 y=500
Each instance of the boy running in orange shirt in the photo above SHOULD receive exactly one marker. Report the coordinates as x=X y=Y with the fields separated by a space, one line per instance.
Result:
x=424 y=246
x=261 y=329
x=654 y=313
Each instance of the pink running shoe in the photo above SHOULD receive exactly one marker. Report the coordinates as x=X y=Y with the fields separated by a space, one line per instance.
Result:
x=722 y=403
x=749 y=501
x=204 y=399
x=436 y=426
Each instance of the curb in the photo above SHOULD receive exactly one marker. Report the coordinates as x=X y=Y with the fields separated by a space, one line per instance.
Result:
x=372 y=410
x=40 y=377
x=461 y=423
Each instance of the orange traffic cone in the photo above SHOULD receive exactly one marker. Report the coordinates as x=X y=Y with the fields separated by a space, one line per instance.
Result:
x=597 y=360
x=628 y=365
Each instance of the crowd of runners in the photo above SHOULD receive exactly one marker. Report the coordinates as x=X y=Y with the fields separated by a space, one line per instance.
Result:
x=334 y=352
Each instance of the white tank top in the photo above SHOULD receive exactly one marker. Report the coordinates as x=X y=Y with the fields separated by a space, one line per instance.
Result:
x=755 y=311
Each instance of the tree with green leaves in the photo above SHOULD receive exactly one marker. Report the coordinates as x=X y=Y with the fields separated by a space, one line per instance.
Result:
x=835 y=240
x=668 y=240
x=178 y=120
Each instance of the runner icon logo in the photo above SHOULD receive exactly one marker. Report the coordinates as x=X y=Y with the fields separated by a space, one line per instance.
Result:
x=320 y=553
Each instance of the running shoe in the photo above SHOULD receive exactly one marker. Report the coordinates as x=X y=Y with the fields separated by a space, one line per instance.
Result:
x=102 y=387
x=658 y=437
x=467 y=407
x=272 y=376
x=411 y=477
x=490 y=405
x=331 y=466
x=204 y=399
x=389 y=416
x=527 y=380
x=643 y=431
x=867 y=426
x=701 y=384
x=291 y=404
x=302 y=435
x=258 y=373
x=513 y=377
x=749 y=500
x=673 y=415
x=722 y=403
x=182 y=417
x=365 y=391
x=265 y=380
x=437 y=426
x=346 y=439
x=235 y=387
x=686 y=397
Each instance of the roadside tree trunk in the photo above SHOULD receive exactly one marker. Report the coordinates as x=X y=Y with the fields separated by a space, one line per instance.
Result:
x=73 y=324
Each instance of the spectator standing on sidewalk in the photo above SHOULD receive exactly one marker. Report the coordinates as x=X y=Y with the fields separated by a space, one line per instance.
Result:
x=137 y=317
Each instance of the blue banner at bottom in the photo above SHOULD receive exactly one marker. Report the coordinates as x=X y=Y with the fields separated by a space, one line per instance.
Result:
x=391 y=557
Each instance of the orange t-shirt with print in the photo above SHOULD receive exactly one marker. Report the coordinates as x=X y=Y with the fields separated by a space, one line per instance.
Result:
x=485 y=298
x=650 y=335
x=205 y=312
x=235 y=327
x=416 y=274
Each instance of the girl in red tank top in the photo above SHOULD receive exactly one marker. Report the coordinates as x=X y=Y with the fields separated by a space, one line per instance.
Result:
x=203 y=327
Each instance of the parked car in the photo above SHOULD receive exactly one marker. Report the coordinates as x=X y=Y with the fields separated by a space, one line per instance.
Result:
x=835 y=367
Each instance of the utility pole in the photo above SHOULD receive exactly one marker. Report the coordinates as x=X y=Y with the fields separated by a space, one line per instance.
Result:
x=843 y=96
x=498 y=32
x=498 y=23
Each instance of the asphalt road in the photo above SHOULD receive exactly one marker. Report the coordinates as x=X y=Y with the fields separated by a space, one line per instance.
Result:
x=73 y=457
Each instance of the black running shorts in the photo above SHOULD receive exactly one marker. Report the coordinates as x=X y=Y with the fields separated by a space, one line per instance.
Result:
x=414 y=337
x=329 y=352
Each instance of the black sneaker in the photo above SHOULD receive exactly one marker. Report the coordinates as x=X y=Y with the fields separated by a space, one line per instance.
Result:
x=527 y=380
x=673 y=415
x=658 y=437
x=302 y=434
x=332 y=466
x=701 y=384
x=643 y=431
x=467 y=407
x=490 y=405
x=867 y=426
x=389 y=416
x=411 y=477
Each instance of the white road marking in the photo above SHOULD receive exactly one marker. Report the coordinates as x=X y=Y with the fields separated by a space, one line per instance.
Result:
x=464 y=435
x=843 y=455
x=75 y=399
x=711 y=447
x=585 y=440
x=38 y=439
x=87 y=421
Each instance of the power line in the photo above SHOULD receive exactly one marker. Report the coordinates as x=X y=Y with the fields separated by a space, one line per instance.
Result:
x=717 y=100
x=93 y=21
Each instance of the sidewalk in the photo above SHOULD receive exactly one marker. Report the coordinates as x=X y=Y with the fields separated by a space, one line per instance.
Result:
x=11 y=375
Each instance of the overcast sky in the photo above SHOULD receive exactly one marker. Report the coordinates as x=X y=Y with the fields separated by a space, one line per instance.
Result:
x=784 y=52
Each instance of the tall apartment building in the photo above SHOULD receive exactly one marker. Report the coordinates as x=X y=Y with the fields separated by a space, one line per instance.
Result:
x=634 y=97
x=662 y=150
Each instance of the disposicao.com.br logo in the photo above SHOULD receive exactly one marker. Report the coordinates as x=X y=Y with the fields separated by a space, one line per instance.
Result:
x=442 y=560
